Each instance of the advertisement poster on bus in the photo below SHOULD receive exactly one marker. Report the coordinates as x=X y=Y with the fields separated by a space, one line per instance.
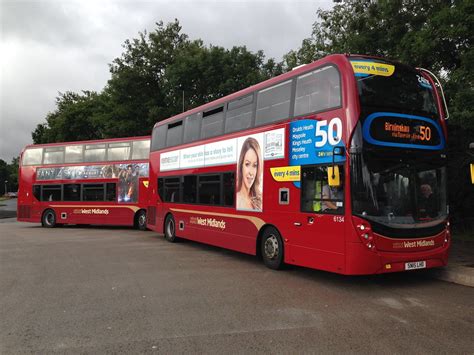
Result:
x=128 y=182
x=249 y=190
x=89 y=171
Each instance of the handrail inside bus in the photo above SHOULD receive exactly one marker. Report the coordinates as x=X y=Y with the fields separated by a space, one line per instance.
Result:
x=440 y=86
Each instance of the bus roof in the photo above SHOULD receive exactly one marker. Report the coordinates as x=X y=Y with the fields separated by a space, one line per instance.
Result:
x=92 y=141
x=300 y=70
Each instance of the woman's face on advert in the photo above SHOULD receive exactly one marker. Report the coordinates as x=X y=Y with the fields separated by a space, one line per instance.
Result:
x=249 y=170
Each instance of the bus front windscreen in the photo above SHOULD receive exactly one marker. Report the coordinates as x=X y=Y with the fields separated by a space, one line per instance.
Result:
x=401 y=193
x=388 y=86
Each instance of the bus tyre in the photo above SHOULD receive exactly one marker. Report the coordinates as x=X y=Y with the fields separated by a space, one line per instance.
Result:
x=272 y=248
x=49 y=219
x=170 y=229
x=141 y=220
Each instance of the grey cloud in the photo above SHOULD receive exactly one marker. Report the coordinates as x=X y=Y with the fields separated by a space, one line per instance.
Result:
x=56 y=46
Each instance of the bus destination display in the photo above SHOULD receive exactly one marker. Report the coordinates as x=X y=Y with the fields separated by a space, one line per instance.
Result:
x=398 y=130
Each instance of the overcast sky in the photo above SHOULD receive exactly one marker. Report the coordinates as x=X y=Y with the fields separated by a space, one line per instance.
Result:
x=56 y=46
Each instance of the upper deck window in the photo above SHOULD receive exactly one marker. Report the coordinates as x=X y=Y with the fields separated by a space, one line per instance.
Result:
x=118 y=151
x=273 y=104
x=53 y=155
x=239 y=114
x=32 y=156
x=212 y=122
x=192 y=127
x=94 y=152
x=141 y=149
x=158 y=139
x=318 y=90
x=73 y=154
x=175 y=134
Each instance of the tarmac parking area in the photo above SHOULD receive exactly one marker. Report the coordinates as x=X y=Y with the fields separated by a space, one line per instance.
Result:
x=101 y=290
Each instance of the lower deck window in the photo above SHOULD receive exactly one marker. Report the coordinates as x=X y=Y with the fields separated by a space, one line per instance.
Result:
x=209 y=189
x=51 y=193
x=205 y=189
x=72 y=192
x=76 y=192
x=93 y=192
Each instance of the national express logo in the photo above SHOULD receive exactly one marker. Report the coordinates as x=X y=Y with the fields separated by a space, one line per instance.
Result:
x=91 y=211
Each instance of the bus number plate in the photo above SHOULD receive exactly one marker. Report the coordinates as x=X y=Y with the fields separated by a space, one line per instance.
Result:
x=415 y=265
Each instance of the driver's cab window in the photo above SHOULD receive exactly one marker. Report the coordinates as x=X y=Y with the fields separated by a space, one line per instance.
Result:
x=316 y=194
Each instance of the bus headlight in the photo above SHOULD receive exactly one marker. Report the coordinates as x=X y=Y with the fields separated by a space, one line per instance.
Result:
x=364 y=231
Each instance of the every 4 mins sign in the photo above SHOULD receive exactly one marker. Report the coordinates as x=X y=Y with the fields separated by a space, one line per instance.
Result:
x=286 y=173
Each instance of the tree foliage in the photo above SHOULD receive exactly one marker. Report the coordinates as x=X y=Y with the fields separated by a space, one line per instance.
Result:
x=9 y=172
x=148 y=82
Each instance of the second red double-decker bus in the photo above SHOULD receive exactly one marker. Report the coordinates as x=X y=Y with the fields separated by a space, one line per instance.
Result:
x=339 y=165
x=101 y=182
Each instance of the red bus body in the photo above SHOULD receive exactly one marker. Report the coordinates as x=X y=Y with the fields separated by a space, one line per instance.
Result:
x=344 y=243
x=72 y=190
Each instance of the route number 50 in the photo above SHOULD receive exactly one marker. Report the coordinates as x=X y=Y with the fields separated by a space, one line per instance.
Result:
x=425 y=132
x=331 y=132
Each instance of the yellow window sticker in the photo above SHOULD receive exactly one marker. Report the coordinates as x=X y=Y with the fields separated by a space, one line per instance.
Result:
x=286 y=173
x=364 y=68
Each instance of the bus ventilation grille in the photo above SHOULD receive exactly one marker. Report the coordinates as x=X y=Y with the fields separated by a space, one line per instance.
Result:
x=151 y=215
x=24 y=211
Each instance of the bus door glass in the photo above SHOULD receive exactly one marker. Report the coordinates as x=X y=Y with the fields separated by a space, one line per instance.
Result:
x=322 y=207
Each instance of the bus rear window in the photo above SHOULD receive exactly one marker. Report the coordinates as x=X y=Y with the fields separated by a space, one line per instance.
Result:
x=32 y=156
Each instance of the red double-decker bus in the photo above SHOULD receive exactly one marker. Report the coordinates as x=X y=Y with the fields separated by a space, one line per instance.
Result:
x=339 y=165
x=101 y=182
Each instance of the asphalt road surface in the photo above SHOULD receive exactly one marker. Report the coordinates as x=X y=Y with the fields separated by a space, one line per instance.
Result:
x=8 y=208
x=111 y=290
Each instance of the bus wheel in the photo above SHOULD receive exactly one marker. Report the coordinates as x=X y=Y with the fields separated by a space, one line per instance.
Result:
x=141 y=220
x=49 y=219
x=272 y=248
x=170 y=229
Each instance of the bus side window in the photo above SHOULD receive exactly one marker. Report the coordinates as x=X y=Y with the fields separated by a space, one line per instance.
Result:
x=161 y=188
x=51 y=193
x=190 y=189
x=316 y=194
x=171 y=189
x=111 y=191
x=37 y=192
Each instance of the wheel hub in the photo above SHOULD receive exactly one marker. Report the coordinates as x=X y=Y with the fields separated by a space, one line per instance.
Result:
x=271 y=247
x=170 y=229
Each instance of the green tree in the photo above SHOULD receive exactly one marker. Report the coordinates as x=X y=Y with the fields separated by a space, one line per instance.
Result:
x=12 y=170
x=3 y=175
x=77 y=117
x=147 y=84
